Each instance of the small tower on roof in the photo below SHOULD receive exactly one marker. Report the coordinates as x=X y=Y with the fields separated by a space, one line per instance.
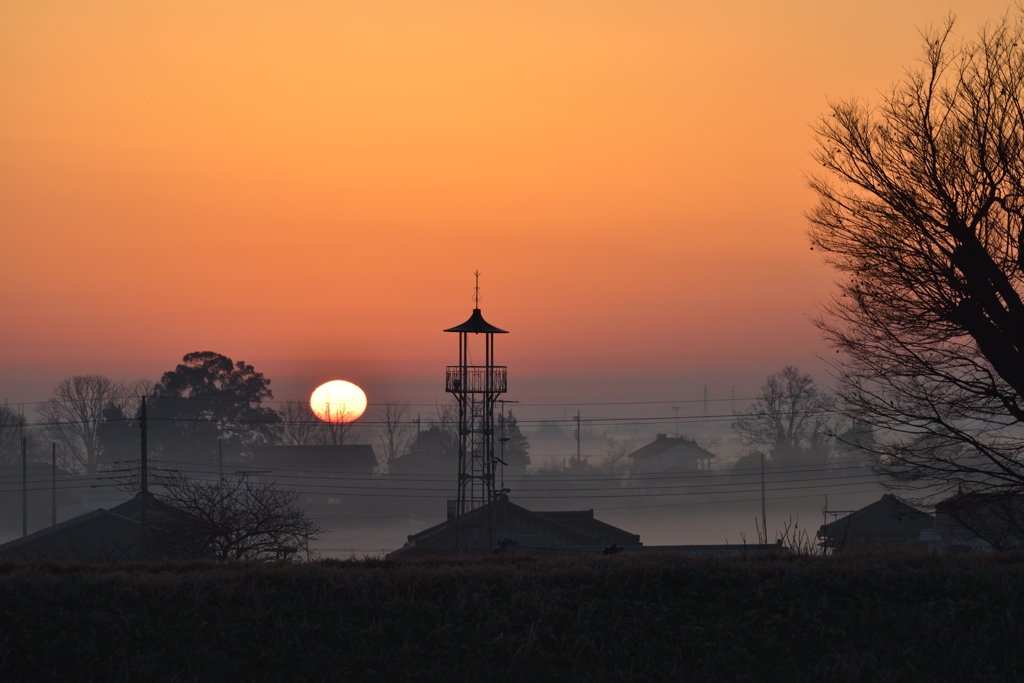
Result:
x=476 y=389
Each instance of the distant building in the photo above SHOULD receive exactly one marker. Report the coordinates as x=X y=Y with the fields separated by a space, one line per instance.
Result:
x=113 y=535
x=520 y=529
x=330 y=480
x=887 y=523
x=854 y=448
x=425 y=462
x=669 y=471
x=670 y=455
x=327 y=461
x=977 y=521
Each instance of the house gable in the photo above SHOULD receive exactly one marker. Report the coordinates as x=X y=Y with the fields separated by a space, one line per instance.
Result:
x=524 y=528
x=666 y=454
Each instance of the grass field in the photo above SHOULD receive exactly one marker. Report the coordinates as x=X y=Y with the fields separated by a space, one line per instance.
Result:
x=619 y=618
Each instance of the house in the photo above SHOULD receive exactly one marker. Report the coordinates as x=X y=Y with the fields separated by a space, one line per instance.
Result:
x=524 y=530
x=888 y=523
x=113 y=535
x=977 y=521
x=97 y=536
x=670 y=455
x=425 y=462
x=328 y=461
x=669 y=471
x=329 y=479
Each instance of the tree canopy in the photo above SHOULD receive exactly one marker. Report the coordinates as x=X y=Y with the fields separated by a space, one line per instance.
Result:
x=206 y=397
x=517 y=449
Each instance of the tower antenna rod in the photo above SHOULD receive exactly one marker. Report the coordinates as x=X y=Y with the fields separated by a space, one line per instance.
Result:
x=24 y=478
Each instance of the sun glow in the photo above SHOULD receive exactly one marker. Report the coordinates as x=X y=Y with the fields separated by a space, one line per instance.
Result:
x=338 y=401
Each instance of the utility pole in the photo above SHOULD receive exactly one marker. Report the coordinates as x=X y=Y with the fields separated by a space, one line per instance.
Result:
x=579 y=435
x=53 y=481
x=144 y=472
x=764 y=523
x=24 y=480
x=705 y=401
x=503 y=440
x=220 y=456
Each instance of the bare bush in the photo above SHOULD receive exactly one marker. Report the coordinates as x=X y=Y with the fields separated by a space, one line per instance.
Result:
x=231 y=520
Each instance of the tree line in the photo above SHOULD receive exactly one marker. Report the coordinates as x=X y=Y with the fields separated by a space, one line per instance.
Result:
x=208 y=405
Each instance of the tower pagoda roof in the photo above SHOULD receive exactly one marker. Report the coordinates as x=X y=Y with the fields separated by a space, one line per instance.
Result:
x=476 y=323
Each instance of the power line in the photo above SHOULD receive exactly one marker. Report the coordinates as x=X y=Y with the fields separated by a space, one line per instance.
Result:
x=647 y=419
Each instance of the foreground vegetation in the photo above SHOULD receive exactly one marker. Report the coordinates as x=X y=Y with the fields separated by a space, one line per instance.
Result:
x=656 y=617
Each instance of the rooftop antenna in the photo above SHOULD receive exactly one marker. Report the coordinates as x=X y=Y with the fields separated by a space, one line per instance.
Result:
x=676 y=410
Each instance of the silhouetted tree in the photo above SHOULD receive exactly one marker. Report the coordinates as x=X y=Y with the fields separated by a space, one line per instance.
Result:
x=118 y=436
x=299 y=424
x=336 y=430
x=616 y=459
x=517 y=449
x=920 y=208
x=74 y=412
x=789 y=419
x=10 y=436
x=393 y=432
x=440 y=437
x=206 y=397
x=232 y=519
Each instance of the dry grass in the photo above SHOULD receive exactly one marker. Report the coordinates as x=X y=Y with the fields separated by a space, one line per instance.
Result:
x=619 y=618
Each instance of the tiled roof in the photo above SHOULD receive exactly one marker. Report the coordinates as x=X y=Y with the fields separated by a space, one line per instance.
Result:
x=524 y=527
x=584 y=521
x=885 y=519
x=668 y=443
x=96 y=536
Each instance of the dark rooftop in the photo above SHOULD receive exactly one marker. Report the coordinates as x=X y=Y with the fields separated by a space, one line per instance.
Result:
x=477 y=324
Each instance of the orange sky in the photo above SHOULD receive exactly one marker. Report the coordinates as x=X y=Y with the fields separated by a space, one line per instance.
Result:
x=308 y=186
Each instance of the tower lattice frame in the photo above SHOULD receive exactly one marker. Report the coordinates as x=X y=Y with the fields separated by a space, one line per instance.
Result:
x=476 y=389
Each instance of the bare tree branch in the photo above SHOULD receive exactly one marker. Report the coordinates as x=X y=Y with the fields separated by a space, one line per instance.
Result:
x=394 y=433
x=232 y=520
x=920 y=208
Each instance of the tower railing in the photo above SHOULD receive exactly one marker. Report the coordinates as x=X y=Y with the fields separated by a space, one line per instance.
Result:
x=473 y=379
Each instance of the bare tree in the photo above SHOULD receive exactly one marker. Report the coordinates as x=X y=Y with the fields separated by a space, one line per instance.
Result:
x=920 y=209
x=441 y=435
x=336 y=428
x=788 y=418
x=74 y=412
x=996 y=518
x=231 y=520
x=394 y=432
x=299 y=424
x=615 y=460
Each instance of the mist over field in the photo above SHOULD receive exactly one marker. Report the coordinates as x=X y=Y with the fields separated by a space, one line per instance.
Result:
x=718 y=505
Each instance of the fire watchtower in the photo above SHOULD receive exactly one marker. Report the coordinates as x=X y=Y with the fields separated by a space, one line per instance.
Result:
x=476 y=388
